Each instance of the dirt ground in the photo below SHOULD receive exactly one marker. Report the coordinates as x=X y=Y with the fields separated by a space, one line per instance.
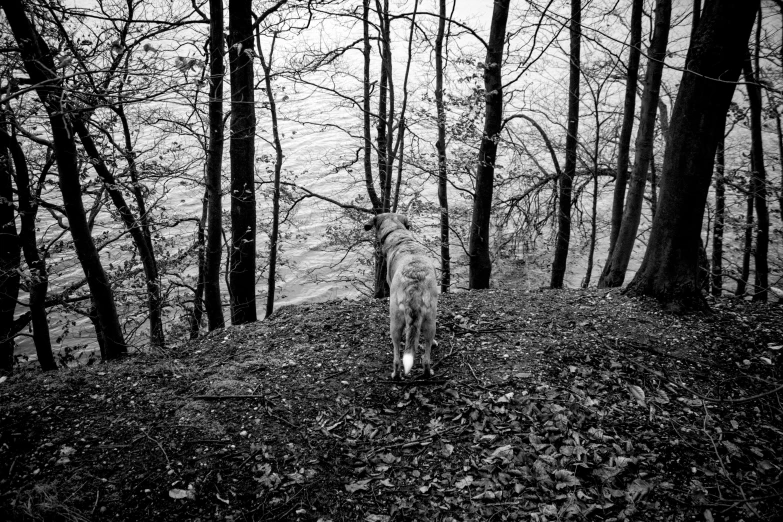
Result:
x=551 y=405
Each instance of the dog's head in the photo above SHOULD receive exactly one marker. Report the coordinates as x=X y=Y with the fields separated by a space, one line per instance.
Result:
x=385 y=223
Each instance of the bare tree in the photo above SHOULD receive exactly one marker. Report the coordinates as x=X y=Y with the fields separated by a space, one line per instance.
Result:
x=669 y=270
x=39 y=65
x=617 y=261
x=480 y=263
x=567 y=179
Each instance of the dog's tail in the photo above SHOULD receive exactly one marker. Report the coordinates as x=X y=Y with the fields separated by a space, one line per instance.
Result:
x=413 y=320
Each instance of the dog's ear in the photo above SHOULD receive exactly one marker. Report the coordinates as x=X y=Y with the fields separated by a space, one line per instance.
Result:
x=406 y=222
x=370 y=224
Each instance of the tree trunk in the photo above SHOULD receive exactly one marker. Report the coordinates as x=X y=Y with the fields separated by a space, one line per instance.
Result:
x=197 y=313
x=623 y=148
x=567 y=179
x=39 y=277
x=669 y=270
x=443 y=200
x=367 y=111
x=717 y=229
x=387 y=89
x=10 y=258
x=480 y=264
x=214 y=247
x=134 y=227
x=617 y=263
x=242 y=278
x=758 y=185
x=267 y=67
x=380 y=287
x=747 y=248
x=39 y=64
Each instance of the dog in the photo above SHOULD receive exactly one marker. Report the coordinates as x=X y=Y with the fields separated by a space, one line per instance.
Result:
x=413 y=290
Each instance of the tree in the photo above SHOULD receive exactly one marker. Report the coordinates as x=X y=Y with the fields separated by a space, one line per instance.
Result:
x=274 y=236
x=9 y=257
x=758 y=184
x=214 y=240
x=566 y=181
x=617 y=261
x=720 y=213
x=669 y=270
x=629 y=109
x=443 y=200
x=242 y=264
x=480 y=264
x=39 y=64
x=39 y=278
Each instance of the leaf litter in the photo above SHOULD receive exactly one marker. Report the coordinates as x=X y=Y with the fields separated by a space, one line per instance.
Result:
x=545 y=406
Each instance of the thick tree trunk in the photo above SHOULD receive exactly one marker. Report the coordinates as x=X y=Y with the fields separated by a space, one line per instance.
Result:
x=443 y=200
x=629 y=108
x=10 y=257
x=669 y=270
x=480 y=264
x=617 y=263
x=563 y=240
x=39 y=277
x=758 y=185
x=39 y=64
x=720 y=212
x=242 y=276
x=214 y=247
x=270 y=296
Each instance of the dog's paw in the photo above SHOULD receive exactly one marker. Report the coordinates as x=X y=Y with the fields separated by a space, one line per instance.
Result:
x=395 y=375
x=428 y=373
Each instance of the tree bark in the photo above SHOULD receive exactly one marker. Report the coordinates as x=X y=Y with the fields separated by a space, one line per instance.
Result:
x=629 y=108
x=720 y=212
x=10 y=257
x=242 y=276
x=567 y=179
x=617 y=263
x=214 y=245
x=758 y=185
x=443 y=200
x=669 y=270
x=747 y=248
x=480 y=263
x=39 y=65
x=39 y=277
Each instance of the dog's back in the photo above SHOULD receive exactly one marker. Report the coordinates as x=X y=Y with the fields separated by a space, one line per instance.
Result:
x=413 y=299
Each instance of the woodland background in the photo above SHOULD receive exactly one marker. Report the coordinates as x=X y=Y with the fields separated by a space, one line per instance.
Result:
x=169 y=167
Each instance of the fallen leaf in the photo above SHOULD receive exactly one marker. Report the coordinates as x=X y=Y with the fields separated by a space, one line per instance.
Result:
x=637 y=394
x=356 y=486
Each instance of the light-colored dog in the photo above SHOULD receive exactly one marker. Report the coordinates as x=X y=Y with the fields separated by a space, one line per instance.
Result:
x=413 y=289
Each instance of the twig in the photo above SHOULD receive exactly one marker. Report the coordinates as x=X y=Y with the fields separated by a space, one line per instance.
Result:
x=97 y=497
x=159 y=445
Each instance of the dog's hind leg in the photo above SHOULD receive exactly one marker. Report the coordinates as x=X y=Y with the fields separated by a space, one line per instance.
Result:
x=397 y=328
x=428 y=339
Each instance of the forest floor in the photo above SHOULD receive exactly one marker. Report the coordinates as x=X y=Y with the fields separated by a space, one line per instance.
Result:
x=551 y=405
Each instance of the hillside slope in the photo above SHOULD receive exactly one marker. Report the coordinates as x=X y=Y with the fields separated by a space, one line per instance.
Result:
x=545 y=406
